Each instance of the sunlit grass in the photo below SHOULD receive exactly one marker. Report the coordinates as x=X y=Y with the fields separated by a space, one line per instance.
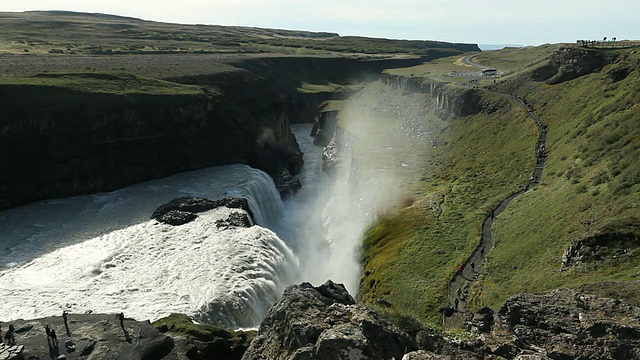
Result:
x=590 y=186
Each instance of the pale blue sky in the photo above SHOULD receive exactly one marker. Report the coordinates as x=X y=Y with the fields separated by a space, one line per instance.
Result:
x=524 y=22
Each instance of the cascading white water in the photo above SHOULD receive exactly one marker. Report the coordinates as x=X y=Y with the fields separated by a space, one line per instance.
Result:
x=101 y=253
x=324 y=221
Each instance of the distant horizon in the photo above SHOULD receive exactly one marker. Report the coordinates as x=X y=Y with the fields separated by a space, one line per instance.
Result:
x=494 y=22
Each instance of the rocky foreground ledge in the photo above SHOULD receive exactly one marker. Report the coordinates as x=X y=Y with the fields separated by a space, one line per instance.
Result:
x=324 y=322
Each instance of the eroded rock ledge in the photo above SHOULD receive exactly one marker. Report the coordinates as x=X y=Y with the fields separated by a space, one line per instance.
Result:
x=324 y=323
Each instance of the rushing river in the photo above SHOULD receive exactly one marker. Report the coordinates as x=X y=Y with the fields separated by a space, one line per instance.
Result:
x=101 y=253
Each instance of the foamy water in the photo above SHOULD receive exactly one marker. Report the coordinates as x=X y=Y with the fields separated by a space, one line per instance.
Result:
x=101 y=253
x=150 y=270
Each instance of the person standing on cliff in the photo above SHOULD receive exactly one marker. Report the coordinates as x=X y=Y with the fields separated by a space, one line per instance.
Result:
x=121 y=318
x=9 y=338
x=54 y=337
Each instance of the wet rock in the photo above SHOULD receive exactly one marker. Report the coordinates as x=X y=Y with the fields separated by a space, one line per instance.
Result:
x=176 y=217
x=286 y=184
x=234 y=220
x=183 y=210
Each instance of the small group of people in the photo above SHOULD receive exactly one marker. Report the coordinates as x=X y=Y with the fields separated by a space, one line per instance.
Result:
x=542 y=152
x=52 y=338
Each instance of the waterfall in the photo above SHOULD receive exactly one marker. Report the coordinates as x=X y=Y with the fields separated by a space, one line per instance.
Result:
x=263 y=197
x=102 y=253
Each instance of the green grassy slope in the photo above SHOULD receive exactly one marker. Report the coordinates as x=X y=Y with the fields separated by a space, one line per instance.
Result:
x=589 y=191
x=454 y=175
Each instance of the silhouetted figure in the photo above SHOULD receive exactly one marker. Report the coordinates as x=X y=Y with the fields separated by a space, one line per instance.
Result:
x=482 y=251
x=1 y=338
x=9 y=337
x=54 y=337
x=473 y=266
x=455 y=303
x=64 y=317
x=48 y=331
x=460 y=269
x=121 y=318
x=492 y=213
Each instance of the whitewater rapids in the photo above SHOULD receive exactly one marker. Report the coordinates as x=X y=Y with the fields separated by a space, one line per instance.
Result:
x=101 y=253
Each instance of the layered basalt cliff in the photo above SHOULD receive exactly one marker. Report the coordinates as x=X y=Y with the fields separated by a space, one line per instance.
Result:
x=60 y=141
x=450 y=100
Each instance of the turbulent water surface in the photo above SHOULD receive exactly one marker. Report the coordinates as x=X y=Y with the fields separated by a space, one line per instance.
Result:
x=102 y=253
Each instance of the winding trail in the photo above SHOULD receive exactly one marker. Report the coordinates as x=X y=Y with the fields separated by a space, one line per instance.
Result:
x=462 y=280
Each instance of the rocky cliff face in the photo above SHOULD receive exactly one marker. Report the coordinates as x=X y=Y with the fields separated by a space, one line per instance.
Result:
x=64 y=142
x=60 y=142
x=450 y=100
x=324 y=323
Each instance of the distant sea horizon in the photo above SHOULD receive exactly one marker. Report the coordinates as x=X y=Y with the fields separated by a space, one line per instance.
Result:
x=485 y=47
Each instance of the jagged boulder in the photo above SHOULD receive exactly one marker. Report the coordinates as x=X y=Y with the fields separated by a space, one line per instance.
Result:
x=183 y=210
x=325 y=323
x=563 y=324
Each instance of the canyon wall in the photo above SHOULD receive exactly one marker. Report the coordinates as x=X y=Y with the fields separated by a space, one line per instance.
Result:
x=60 y=142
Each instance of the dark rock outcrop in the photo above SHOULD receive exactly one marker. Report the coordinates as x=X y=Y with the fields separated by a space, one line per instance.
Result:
x=286 y=184
x=234 y=220
x=569 y=63
x=183 y=210
x=324 y=323
x=606 y=245
x=561 y=324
